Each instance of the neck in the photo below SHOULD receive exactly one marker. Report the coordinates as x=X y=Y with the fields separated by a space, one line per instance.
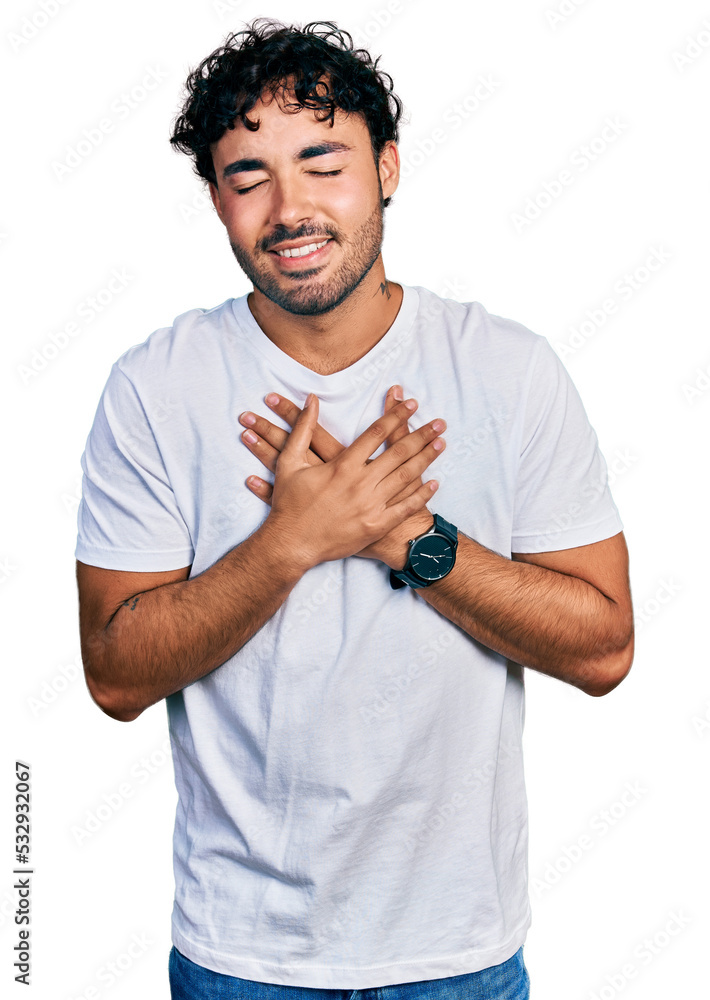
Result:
x=337 y=339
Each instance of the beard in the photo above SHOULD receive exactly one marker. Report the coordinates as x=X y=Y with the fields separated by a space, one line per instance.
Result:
x=300 y=292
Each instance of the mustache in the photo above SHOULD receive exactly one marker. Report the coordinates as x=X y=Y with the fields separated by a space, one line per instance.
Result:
x=284 y=236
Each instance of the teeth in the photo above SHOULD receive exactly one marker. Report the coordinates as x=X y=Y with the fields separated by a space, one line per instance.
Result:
x=301 y=251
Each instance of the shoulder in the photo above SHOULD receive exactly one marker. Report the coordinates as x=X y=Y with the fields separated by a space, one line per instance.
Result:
x=494 y=341
x=180 y=348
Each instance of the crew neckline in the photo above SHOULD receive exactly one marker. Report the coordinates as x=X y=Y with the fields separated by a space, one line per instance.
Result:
x=398 y=331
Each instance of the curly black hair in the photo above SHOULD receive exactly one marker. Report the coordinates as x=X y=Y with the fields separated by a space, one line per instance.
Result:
x=228 y=83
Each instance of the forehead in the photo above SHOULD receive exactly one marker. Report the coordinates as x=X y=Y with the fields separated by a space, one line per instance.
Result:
x=285 y=127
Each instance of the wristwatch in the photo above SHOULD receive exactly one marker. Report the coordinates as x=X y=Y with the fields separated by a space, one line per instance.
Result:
x=431 y=556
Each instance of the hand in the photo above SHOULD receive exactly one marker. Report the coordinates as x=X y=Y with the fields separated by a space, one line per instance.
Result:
x=268 y=442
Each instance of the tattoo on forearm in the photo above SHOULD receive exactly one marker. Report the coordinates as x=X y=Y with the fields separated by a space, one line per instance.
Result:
x=132 y=606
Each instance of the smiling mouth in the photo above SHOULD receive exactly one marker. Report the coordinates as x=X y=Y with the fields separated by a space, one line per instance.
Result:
x=295 y=258
x=304 y=251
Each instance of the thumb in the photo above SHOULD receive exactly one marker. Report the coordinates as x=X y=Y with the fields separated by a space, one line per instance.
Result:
x=299 y=440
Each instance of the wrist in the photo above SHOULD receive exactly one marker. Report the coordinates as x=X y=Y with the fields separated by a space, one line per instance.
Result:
x=394 y=547
x=284 y=551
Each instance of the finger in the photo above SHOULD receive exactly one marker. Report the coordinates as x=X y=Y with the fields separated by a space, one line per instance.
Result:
x=395 y=395
x=323 y=444
x=266 y=440
x=273 y=435
x=406 y=478
x=413 y=503
x=299 y=440
x=378 y=432
x=406 y=448
x=262 y=449
x=260 y=488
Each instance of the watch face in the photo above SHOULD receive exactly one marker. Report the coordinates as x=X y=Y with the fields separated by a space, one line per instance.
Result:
x=431 y=557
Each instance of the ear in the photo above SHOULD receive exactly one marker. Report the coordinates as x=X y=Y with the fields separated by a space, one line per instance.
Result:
x=214 y=194
x=389 y=169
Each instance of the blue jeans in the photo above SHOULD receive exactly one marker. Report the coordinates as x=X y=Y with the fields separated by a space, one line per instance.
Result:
x=509 y=981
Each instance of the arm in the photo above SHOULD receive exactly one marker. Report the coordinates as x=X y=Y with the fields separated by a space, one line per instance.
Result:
x=566 y=613
x=147 y=635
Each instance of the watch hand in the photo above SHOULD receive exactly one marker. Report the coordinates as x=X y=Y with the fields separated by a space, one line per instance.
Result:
x=427 y=555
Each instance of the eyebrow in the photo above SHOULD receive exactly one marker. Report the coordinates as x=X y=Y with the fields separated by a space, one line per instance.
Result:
x=319 y=149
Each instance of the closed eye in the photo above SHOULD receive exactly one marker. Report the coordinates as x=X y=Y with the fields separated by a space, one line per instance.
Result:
x=252 y=188
x=317 y=173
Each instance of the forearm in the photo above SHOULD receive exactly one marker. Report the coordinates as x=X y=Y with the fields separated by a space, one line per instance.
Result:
x=549 y=621
x=164 y=639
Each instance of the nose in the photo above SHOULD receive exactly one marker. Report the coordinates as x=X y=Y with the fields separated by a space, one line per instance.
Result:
x=291 y=202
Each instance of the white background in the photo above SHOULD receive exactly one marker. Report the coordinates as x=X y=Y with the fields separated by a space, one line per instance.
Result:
x=643 y=372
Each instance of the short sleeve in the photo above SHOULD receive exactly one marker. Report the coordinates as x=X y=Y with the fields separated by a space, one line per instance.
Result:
x=562 y=492
x=128 y=517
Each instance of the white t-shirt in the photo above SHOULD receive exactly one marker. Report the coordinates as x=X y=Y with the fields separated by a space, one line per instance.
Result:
x=352 y=809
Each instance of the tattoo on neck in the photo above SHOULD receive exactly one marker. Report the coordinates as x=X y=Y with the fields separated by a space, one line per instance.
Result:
x=385 y=289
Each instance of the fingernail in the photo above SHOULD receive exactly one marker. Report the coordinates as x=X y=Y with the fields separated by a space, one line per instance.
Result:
x=438 y=426
x=433 y=486
x=438 y=444
x=272 y=399
x=310 y=400
x=398 y=394
x=248 y=418
x=411 y=404
x=248 y=436
x=254 y=481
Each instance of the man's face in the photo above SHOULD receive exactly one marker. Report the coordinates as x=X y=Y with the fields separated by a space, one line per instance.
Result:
x=296 y=182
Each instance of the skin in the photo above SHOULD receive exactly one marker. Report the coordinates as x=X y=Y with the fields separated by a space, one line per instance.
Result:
x=295 y=199
x=145 y=636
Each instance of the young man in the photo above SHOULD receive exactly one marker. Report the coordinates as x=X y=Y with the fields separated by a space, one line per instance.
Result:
x=341 y=650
